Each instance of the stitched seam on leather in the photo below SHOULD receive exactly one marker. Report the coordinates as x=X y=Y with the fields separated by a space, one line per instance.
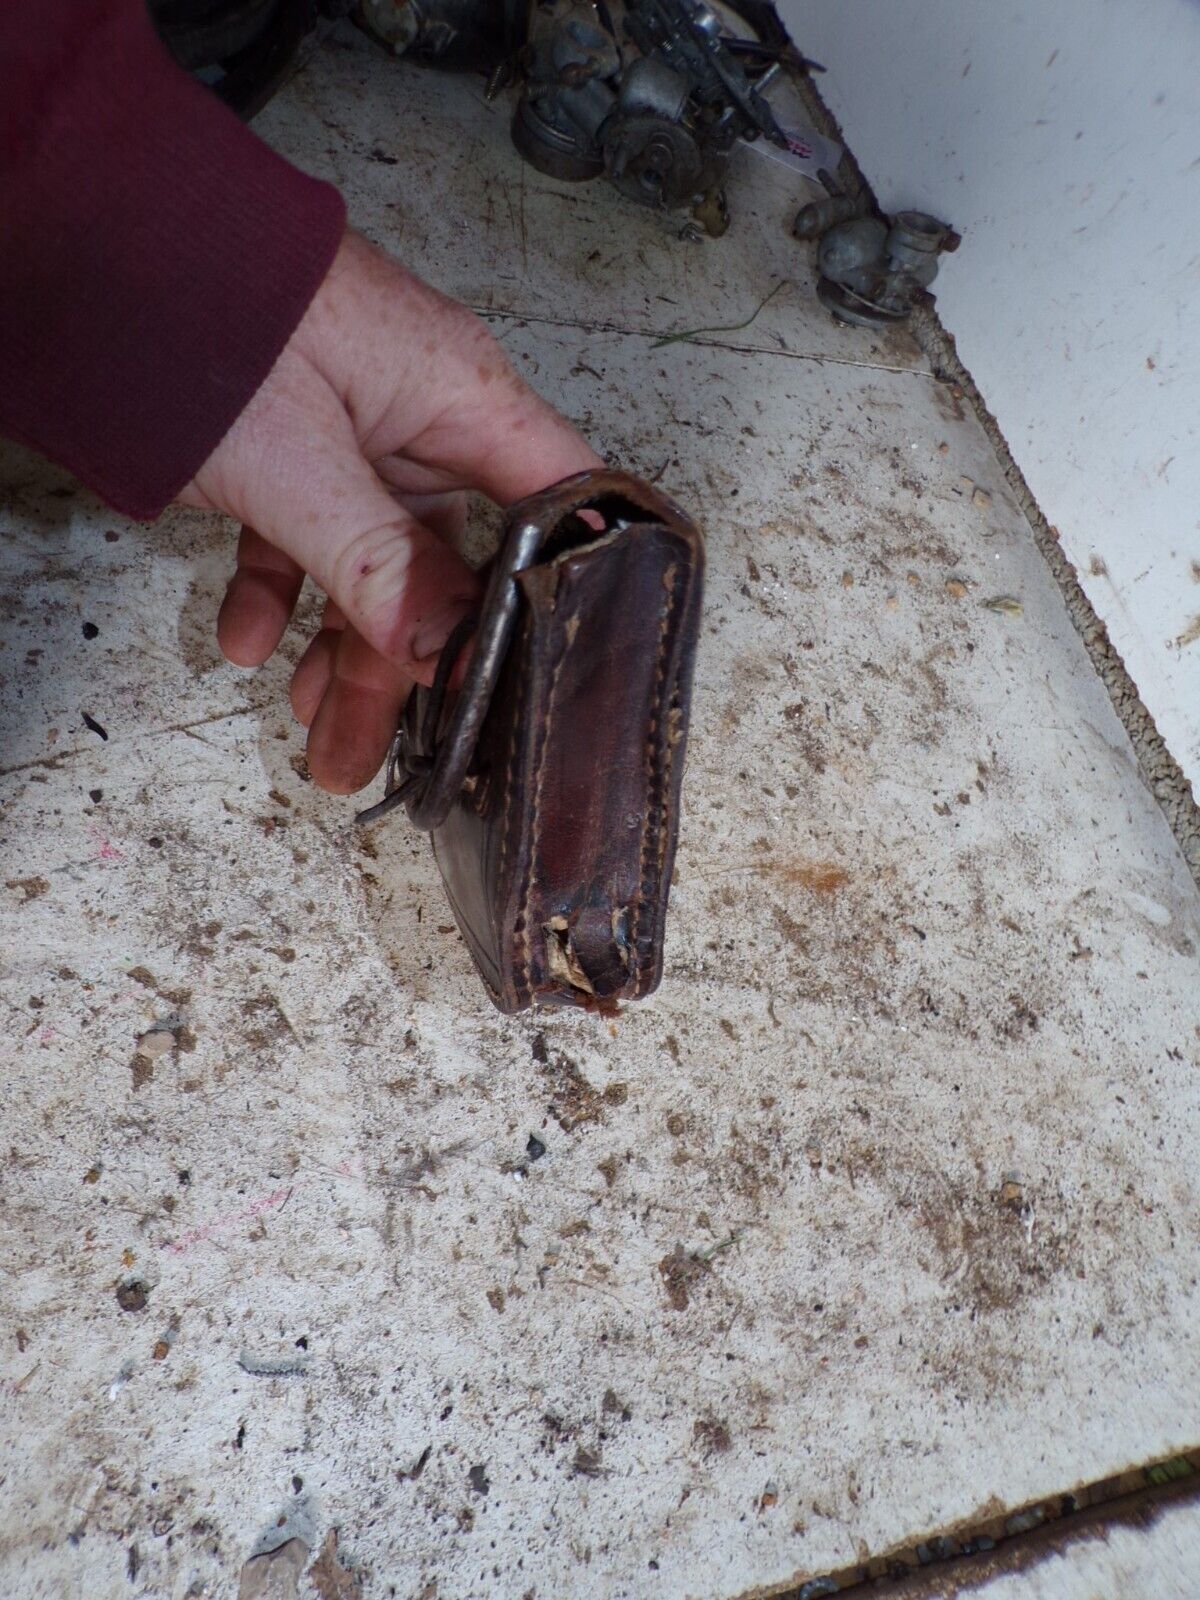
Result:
x=520 y=984
x=666 y=765
x=666 y=768
x=649 y=766
x=535 y=825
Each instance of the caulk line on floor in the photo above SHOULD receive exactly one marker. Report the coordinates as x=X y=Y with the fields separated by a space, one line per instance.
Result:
x=961 y=1558
x=526 y=320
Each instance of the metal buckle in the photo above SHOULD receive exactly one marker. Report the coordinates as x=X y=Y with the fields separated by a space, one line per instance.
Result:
x=412 y=754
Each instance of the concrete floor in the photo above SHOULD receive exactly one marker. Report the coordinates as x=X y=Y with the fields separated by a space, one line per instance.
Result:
x=880 y=1217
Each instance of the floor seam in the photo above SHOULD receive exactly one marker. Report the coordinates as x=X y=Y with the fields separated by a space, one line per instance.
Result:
x=62 y=756
x=656 y=334
x=961 y=1557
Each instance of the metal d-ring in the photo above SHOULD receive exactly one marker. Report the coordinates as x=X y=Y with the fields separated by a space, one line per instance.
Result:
x=411 y=761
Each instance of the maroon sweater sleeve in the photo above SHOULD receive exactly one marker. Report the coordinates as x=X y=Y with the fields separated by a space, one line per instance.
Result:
x=155 y=255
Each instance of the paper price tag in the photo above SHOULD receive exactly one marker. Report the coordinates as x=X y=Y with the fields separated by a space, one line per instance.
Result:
x=807 y=153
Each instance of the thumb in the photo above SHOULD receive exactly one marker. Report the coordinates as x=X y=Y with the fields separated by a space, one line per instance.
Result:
x=398 y=586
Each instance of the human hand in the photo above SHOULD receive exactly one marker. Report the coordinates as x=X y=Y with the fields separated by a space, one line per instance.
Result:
x=388 y=402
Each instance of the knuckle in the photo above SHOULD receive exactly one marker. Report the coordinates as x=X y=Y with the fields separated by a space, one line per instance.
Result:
x=370 y=571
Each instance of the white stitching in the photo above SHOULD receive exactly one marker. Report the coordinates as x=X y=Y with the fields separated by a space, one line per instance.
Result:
x=535 y=823
x=505 y=800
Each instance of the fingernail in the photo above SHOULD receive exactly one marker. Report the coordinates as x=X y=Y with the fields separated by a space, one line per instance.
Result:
x=427 y=645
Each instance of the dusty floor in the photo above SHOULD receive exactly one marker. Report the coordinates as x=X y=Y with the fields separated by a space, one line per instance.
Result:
x=879 y=1217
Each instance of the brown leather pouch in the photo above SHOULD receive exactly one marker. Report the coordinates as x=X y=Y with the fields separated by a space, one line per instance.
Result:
x=550 y=782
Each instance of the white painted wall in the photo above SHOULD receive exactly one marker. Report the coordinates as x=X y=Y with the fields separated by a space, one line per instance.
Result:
x=1063 y=141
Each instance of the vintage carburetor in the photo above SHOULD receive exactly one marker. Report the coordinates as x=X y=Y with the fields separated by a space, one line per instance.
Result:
x=652 y=94
x=649 y=93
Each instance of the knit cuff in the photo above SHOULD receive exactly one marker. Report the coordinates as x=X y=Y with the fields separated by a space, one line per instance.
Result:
x=155 y=255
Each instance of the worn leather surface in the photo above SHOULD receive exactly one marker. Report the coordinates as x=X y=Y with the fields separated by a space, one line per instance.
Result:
x=557 y=853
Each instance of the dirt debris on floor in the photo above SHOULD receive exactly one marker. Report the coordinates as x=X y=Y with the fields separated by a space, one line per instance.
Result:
x=930 y=939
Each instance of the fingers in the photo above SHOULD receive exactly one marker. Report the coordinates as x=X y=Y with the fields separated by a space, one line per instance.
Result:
x=443 y=514
x=509 y=443
x=315 y=667
x=397 y=584
x=263 y=591
x=383 y=370
x=436 y=387
x=357 y=715
x=308 y=490
x=259 y=601
x=350 y=698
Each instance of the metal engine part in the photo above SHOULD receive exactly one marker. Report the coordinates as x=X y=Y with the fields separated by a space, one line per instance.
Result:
x=648 y=91
x=656 y=162
x=872 y=269
x=568 y=62
x=653 y=93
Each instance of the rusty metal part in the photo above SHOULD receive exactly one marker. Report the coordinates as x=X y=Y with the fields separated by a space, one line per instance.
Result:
x=872 y=270
x=649 y=91
x=819 y=216
x=552 y=144
x=567 y=96
x=965 y=1575
x=654 y=161
x=414 y=764
x=711 y=211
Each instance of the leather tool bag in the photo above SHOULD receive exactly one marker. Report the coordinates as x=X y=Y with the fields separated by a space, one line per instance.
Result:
x=550 y=781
